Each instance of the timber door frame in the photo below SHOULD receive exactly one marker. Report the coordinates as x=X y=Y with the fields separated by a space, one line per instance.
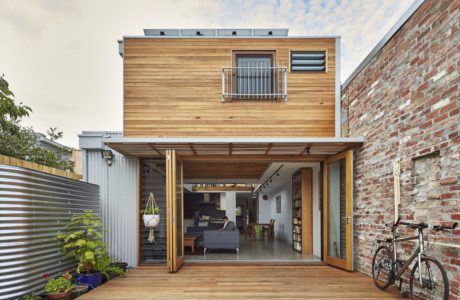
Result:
x=173 y=262
x=347 y=263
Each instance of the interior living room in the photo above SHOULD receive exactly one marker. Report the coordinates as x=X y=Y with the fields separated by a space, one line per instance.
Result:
x=256 y=219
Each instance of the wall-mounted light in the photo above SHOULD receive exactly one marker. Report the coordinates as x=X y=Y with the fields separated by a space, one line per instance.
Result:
x=233 y=33
x=107 y=155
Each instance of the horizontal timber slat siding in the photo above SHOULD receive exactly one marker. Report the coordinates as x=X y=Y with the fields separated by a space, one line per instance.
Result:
x=173 y=87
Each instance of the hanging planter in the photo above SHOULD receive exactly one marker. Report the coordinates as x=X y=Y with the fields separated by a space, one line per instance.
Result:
x=151 y=217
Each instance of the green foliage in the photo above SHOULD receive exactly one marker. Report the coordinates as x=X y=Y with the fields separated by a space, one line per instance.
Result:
x=10 y=112
x=152 y=210
x=32 y=296
x=103 y=266
x=54 y=134
x=58 y=285
x=114 y=271
x=83 y=240
x=21 y=142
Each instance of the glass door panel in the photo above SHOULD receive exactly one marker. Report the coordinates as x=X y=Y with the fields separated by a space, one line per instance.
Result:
x=179 y=215
x=337 y=210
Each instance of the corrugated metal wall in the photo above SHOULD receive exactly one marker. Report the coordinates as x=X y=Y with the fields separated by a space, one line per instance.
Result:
x=119 y=194
x=34 y=208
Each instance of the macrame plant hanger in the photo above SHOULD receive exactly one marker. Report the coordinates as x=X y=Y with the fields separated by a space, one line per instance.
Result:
x=151 y=203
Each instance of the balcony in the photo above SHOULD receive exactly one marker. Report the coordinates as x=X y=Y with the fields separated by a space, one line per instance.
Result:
x=254 y=83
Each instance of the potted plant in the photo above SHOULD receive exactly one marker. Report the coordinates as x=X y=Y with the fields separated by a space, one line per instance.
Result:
x=151 y=216
x=121 y=265
x=59 y=287
x=78 y=290
x=151 y=212
x=32 y=296
x=83 y=241
x=109 y=271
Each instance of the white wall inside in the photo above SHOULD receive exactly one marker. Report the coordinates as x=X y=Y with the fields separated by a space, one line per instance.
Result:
x=264 y=210
x=283 y=220
x=230 y=205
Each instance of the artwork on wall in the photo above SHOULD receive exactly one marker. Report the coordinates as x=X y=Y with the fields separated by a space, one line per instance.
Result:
x=278 y=204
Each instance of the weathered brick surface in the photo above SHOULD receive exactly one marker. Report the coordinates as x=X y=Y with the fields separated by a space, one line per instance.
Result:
x=406 y=104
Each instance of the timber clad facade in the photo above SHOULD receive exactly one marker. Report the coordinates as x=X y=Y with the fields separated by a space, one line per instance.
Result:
x=406 y=104
x=173 y=88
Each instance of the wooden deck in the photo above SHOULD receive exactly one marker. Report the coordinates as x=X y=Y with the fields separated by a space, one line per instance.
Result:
x=241 y=282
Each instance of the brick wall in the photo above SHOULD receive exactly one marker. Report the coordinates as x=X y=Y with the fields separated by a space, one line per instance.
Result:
x=406 y=104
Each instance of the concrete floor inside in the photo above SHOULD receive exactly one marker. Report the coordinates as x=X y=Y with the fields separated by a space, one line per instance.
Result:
x=253 y=251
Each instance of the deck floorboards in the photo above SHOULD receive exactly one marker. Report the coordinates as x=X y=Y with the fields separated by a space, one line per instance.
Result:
x=241 y=282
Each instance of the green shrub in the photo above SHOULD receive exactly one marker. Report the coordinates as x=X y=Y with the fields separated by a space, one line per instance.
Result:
x=83 y=240
x=58 y=285
x=32 y=296
x=152 y=211
x=103 y=266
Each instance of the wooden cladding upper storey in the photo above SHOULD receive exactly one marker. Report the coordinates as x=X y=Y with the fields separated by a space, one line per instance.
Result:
x=173 y=88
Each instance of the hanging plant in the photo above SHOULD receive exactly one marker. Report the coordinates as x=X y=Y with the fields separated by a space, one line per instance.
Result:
x=151 y=216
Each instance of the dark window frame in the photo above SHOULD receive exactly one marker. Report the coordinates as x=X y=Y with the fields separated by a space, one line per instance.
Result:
x=252 y=53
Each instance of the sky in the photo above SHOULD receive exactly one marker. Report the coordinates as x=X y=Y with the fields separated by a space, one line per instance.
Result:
x=61 y=56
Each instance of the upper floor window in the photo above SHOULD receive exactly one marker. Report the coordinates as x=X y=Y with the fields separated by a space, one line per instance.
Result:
x=253 y=75
x=308 y=61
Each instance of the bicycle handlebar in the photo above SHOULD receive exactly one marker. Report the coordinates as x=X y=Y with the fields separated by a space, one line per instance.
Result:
x=428 y=226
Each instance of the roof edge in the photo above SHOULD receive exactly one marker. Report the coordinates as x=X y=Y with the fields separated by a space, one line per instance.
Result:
x=249 y=140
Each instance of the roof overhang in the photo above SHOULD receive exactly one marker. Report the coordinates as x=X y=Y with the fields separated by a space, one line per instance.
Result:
x=263 y=149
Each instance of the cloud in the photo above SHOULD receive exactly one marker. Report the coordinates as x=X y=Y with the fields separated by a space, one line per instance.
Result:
x=28 y=19
x=61 y=58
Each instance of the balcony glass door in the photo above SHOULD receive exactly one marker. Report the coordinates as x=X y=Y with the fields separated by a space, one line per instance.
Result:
x=175 y=212
x=337 y=210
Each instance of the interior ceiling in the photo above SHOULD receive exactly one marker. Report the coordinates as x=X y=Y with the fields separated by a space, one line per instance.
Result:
x=285 y=174
x=224 y=170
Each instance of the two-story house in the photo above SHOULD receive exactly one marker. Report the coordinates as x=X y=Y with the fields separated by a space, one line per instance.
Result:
x=227 y=106
x=204 y=108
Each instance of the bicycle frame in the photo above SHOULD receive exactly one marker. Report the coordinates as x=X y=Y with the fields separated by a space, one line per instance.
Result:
x=419 y=252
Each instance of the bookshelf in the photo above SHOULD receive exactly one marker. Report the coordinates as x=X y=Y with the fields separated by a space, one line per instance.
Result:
x=302 y=218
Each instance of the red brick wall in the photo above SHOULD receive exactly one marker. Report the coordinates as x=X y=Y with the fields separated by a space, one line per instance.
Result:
x=406 y=104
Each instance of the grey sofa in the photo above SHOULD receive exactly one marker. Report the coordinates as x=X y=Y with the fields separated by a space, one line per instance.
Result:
x=221 y=239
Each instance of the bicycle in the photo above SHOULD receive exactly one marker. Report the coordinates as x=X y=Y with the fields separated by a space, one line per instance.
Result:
x=427 y=277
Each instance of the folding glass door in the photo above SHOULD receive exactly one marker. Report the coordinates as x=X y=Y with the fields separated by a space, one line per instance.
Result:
x=337 y=210
x=175 y=212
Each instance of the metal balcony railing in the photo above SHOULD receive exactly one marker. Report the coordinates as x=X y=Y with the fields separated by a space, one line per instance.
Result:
x=254 y=83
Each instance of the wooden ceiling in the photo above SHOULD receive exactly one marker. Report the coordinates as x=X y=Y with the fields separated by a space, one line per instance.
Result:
x=224 y=170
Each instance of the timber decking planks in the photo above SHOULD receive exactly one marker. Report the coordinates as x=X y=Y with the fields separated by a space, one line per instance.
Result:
x=241 y=282
x=169 y=78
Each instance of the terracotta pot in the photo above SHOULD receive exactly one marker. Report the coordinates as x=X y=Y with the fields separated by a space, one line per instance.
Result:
x=60 y=296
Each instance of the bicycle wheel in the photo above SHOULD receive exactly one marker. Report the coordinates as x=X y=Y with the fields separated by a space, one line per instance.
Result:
x=434 y=280
x=382 y=267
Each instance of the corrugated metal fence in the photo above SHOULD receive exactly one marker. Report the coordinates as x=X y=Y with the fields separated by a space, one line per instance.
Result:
x=34 y=208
